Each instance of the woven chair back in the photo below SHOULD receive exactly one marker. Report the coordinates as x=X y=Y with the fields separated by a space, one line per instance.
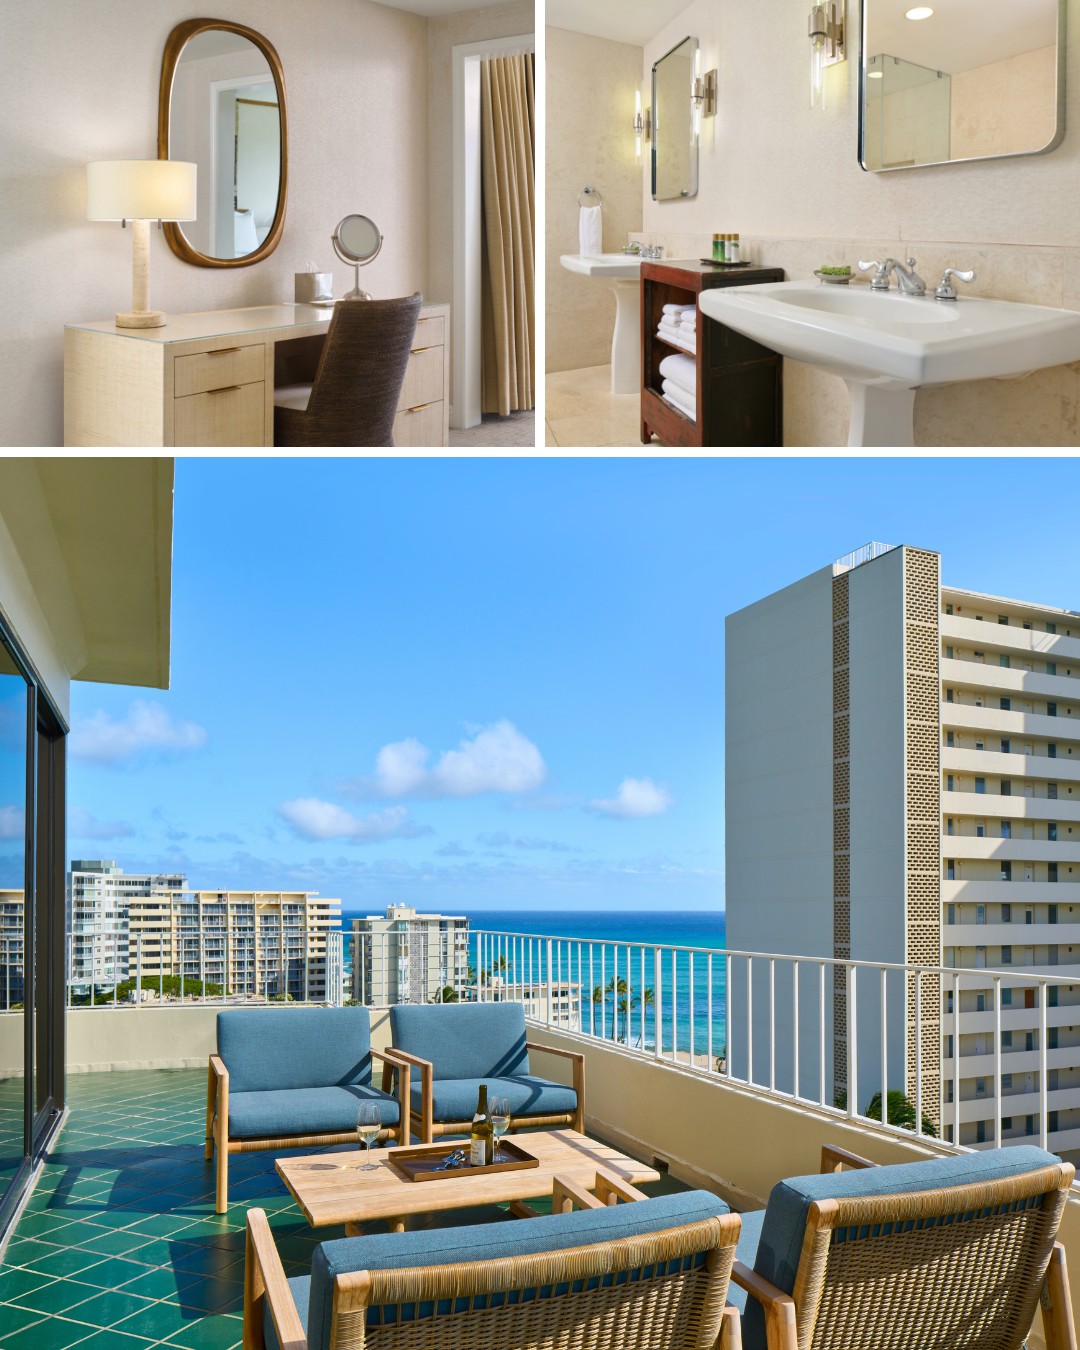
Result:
x=661 y=1291
x=936 y=1270
x=358 y=383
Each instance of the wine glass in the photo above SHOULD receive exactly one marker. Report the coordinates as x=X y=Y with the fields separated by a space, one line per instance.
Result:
x=368 y=1127
x=500 y=1120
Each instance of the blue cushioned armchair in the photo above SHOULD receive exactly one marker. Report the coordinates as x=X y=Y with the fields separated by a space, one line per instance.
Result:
x=651 y=1274
x=454 y=1047
x=938 y=1255
x=286 y=1077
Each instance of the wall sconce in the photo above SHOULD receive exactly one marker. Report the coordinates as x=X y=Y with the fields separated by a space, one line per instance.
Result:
x=826 y=29
x=642 y=123
x=704 y=94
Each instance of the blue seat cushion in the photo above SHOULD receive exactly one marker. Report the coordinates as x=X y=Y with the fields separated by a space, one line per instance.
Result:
x=488 y=1242
x=780 y=1242
x=464 y=1040
x=268 y=1048
x=455 y=1098
x=746 y=1252
x=300 y=1285
x=298 y=1111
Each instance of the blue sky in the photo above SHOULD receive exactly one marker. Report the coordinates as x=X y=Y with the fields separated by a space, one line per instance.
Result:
x=492 y=684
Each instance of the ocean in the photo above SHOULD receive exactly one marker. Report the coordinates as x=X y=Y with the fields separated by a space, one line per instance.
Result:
x=605 y=935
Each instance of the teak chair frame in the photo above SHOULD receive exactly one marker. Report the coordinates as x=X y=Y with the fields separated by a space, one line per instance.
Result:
x=217 y=1123
x=428 y=1129
x=856 y=1293
x=681 y=1310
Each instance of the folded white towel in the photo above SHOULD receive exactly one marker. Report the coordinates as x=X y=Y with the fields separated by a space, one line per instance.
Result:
x=678 y=337
x=591 y=230
x=687 y=321
x=680 y=394
x=680 y=309
x=680 y=406
x=680 y=370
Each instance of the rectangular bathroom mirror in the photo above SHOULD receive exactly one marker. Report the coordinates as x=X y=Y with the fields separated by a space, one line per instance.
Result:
x=674 y=145
x=960 y=79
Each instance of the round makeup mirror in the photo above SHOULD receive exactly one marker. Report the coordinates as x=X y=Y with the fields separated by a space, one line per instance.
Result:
x=357 y=241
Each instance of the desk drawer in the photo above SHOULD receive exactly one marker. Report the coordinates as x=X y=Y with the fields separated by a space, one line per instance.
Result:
x=420 y=426
x=233 y=416
x=423 y=381
x=430 y=332
x=218 y=369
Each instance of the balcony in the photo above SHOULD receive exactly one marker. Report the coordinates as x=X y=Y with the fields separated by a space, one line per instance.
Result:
x=1007 y=680
x=995 y=807
x=1024 y=642
x=1061 y=769
x=1016 y=892
x=1011 y=722
x=120 y=1236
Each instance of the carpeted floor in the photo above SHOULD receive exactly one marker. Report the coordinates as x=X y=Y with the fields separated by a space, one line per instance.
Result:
x=518 y=431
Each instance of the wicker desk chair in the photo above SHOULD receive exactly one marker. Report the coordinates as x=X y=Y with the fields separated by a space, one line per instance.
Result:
x=949 y=1254
x=354 y=398
x=652 y=1275
x=454 y=1047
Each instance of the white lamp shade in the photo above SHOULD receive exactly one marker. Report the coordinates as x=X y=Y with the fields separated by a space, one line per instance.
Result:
x=140 y=189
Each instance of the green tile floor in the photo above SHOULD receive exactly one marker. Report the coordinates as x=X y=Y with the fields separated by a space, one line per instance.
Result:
x=120 y=1248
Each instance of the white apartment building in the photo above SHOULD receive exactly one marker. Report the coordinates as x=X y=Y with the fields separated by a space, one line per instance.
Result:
x=99 y=897
x=12 y=947
x=903 y=785
x=407 y=957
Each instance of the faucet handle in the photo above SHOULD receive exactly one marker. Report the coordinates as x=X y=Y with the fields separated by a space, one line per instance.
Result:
x=868 y=266
x=946 y=290
x=880 y=280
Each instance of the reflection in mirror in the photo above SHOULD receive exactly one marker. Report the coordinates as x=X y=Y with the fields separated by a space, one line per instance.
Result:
x=223 y=109
x=972 y=79
x=13 y=715
x=674 y=148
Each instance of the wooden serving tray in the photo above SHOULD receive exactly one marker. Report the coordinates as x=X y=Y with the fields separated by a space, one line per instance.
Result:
x=418 y=1164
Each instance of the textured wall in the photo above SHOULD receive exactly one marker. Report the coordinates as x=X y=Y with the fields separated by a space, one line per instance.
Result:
x=590 y=112
x=788 y=179
x=80 y=83
x=474 y=25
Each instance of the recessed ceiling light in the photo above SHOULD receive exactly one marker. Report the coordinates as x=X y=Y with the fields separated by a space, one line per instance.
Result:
x=919 y=12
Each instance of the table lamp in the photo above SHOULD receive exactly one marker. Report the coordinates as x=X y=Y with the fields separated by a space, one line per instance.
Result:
x=140 y=190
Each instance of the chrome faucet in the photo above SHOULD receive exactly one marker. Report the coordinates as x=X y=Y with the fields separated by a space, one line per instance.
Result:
x=946 y=290
x=908 y=281
x=653 y=251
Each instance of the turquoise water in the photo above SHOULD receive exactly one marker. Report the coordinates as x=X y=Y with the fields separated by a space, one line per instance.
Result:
x=589 y=949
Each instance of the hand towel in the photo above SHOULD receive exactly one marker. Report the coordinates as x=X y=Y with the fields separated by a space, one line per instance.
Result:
x=680 y=309
x=591 y=230
x=680 y=370
x=679 y=394
x=681 y=338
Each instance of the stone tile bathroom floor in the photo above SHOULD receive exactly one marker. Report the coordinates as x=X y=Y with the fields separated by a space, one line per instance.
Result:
x=582 y=411
x=119 y=1247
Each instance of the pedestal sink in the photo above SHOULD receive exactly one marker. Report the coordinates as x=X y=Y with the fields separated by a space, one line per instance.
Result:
x=886 y=345
x=622 y=271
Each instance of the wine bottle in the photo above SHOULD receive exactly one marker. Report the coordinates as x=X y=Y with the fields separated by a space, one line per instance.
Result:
x=481 y=1135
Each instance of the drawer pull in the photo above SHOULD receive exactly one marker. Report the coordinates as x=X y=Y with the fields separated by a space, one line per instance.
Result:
x=225 y=389
x=414 y=351
x=421 y=406
x=223 y=351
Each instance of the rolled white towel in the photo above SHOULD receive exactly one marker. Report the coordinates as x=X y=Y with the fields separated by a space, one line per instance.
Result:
x=678 y=337
x=679 y=309
x=680 y=370
x=591 y=230
x=677 y=403
x=677 y=391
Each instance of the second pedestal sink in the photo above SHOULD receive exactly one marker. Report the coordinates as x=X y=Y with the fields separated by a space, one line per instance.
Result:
x=623 y=272
x=886 y=345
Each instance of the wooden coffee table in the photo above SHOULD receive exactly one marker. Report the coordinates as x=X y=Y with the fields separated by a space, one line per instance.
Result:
x=332 y=1188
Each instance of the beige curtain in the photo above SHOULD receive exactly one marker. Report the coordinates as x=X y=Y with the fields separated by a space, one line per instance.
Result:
x=507 y=138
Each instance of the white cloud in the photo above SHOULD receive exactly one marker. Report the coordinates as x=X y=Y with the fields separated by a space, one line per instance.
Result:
x=147 y=728
x=12 y=822
x=312 y=818
x=84 y=825
x=495 y=758
x=635 y=798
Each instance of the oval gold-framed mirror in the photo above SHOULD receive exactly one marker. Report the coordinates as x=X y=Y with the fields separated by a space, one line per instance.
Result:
x=221 y=105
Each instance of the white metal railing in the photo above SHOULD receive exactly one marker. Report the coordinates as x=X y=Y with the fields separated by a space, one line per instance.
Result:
x=866 y=554
x=838 y=1034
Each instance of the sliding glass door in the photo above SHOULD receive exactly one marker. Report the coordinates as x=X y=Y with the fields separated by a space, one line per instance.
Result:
x=32 y=913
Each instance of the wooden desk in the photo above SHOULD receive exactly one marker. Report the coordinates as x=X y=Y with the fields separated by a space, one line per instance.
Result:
x=208 y=379
x=332 y=1188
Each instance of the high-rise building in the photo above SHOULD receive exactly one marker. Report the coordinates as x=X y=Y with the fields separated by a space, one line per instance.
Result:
x=407 y=957
x=903 y=785
x=99 y=896
x=266 y=943
x=12 y=947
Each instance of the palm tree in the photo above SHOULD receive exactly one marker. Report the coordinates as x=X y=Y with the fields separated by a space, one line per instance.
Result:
x=900 y=1110
x=598 y=998
x=615 y=988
